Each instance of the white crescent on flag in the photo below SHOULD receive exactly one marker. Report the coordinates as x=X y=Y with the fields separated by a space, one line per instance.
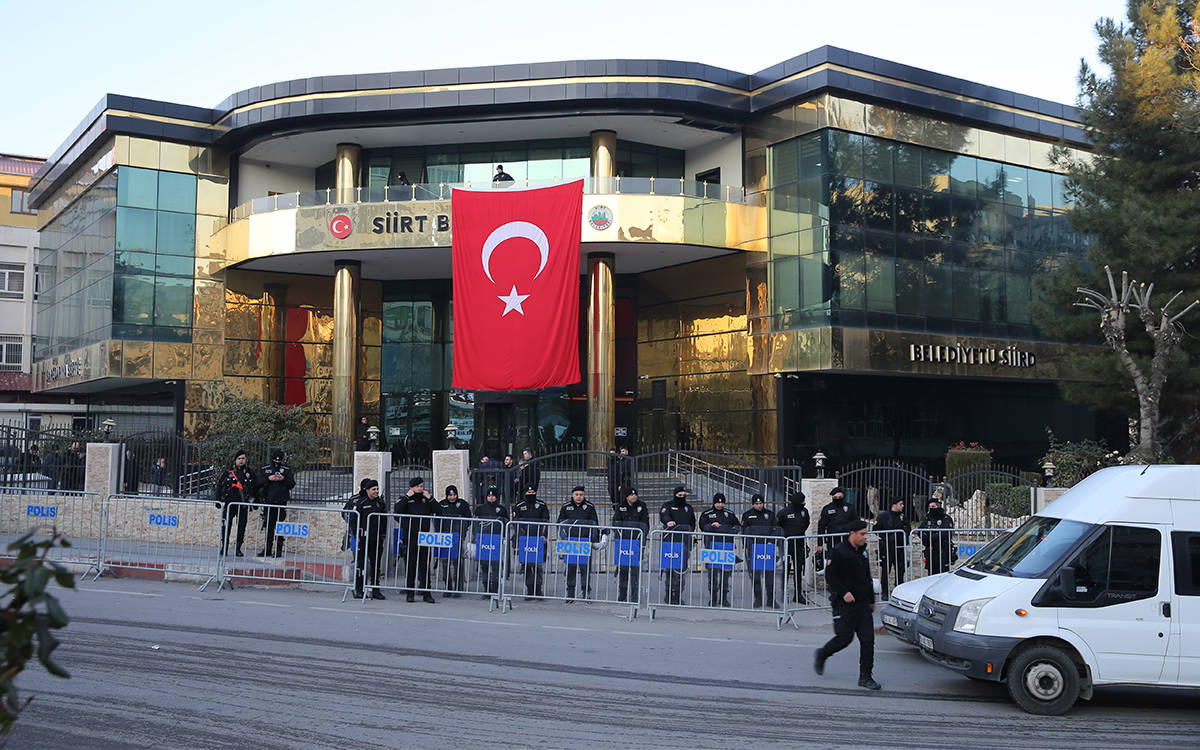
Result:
x=531 y=232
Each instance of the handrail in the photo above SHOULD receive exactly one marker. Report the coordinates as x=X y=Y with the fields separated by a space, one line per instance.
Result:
x=429 y=191
x=681 y=462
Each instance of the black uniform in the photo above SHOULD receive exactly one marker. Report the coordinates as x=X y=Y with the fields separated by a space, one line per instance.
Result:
x=236 y=485
x=620 y=471
x=530 y=475
x=493 y=516
x=627 y=518
x=581 y=514
x=893 y=539
x=274 y=496
x=684 y=517
x=531 y=509
x=794 y=520
x=718 y=578
x=452 y=514
x=416 y=557
x=849 y=570
x=370 y=535
x=940 y=551
x=835 y=518
x=760 y=523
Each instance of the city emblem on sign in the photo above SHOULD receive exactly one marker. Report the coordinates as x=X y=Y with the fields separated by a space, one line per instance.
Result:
x=600 y=217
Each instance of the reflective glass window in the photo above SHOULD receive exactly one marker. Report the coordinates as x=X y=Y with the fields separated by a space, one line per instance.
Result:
x=136 y=229
x=172 y=301
x=133 y=298
x=966 y=293
x=176 y=234
x=1062 y=198
x=811 y=155
x=877 y=159
x=1016 y=185
x=1017 y=298
x=881 y=282
x=963 y=176
x=991 y=296
x=935 y=170
x=134 y=262
x=878 y=206
x=176 y=192
x=845 y=200
x=174 y=265
x=851 y=279
x=785 y=163
x=1040 y=189
x=910 y=287
x=846 y=153
x=137 y=188
x=906 y=164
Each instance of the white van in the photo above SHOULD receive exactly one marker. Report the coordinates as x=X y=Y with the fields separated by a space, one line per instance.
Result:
x=1101 y=587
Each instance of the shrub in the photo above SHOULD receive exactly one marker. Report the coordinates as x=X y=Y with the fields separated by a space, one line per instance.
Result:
x=967 y=457
x=1076 y=460
x=1007 y=500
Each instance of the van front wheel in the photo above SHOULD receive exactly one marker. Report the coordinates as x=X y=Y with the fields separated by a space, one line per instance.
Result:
x=1043 y=680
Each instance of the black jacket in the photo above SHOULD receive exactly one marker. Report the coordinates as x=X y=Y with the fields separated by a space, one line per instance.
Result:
x=278 y=492
x=236 y=485
x=530 y=475
x=630 y=516
x=451 y=513
x=417 y=505
x=583 y=514
x=793 y=520
x=938 y=543
x=492 y=515
x=849 y=570
x=362 y=441
x=759 y=523
x=682 y=515
x=729 y=524
x=835 y=517
x=893 y=532
x=367 y=507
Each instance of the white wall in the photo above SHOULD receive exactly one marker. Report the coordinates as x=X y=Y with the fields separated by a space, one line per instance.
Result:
x=256 y=179
x=725 y=153
x=17 y=246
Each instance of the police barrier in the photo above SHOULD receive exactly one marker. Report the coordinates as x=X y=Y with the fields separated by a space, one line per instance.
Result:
x=449 y=556
x=161 y=535
x=571 y=562
x=736 y=572
x=941 y=550
x=77 y=515
x=305 y=544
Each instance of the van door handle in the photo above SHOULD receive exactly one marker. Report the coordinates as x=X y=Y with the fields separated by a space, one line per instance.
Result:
x=1166 y=609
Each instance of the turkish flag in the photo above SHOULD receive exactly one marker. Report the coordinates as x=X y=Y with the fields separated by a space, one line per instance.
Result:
x=515 y=258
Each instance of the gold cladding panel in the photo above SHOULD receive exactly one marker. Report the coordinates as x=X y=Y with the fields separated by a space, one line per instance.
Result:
x=175 y=157
x=206 y=361
x=206 y=227
x=369 y=367
x=197 y=424
x=244 y=358
x=172 y=360
x=249 y=387
x=208 y=336
x=208 y=304
x=372 y=329
x=242 y=320
x=143 y=153
x=137 y=359
x=212 y=196
x=114 y=357
x=368 y=395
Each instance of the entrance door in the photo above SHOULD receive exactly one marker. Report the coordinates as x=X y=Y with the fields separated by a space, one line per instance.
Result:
x=497 y=437
x=1186 y=615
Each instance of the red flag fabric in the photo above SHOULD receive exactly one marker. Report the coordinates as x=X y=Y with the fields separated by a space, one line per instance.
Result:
x=515 y=258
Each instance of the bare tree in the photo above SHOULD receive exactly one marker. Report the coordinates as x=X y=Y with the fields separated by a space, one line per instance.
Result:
x=1165 y=332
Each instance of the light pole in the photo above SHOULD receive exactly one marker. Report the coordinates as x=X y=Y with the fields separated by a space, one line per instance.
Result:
x=373 y=436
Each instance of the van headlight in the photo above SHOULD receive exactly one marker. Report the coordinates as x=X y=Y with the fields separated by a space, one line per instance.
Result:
x=968 y=615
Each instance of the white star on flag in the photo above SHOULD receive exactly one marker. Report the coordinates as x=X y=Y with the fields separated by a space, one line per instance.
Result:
x=512 y=301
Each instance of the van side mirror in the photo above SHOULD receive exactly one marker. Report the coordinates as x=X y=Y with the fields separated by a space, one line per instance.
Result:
x=1066 y=583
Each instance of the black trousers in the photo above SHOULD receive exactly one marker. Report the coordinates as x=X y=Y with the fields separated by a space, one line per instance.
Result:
x=535 y=575
x=453 y=575
x=675 y=586
x=368 y=552
x=628 y=578
x=851 y=620
x=718 y=587
x=893 y=559
x=583 y=570
x=489 y=575
x=272 y=517
x=761 y=580
x=795 y=550
x=239 y=512
x=416 y=560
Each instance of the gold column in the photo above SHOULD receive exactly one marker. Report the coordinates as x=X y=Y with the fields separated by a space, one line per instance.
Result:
x=604 y=160
x=602 y=360
x=274 y=309
x=347 y=171
x=347 y=277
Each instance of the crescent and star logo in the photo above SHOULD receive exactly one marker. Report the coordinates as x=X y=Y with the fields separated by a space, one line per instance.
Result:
x=340 y=226
x=512 y=301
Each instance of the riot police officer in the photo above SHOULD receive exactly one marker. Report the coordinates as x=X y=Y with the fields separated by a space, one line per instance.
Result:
x=628 y=517
x=274 y=484
x=758 y=521
x=453 y=509
x=834 y=519
x=794 y=520
x=936 y=533
x=718 y=520
x=369 y=534
x=578 y=512
x=531 y=509
x=852 y=594
x=892 y=530
x=678 y=518
x=417 y=502
x=493 y=515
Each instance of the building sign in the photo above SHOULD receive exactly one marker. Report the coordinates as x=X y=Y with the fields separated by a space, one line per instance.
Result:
x=72 y=368
x=600 y=217
x=984 y=356
x=370 y=226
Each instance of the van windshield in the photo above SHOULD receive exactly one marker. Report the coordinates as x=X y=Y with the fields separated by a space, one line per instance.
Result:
x=1032 y=550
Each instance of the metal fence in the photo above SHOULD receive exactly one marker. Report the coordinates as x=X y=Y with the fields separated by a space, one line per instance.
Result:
x=300 y=544
x=736 y=572
x=161 y=535
x=323 y=467
x=77 y=515
x=575 y=563
x=46 y=459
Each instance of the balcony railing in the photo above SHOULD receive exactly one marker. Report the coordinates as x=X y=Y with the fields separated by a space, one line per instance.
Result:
x=432 y=191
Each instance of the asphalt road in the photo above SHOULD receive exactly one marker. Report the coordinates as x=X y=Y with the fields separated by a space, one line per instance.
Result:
x=162 y=665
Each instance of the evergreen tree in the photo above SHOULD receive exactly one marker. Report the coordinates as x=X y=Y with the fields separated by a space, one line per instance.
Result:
x=1136 y=201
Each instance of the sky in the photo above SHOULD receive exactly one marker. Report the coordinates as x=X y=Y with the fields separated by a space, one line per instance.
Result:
x=64 y=56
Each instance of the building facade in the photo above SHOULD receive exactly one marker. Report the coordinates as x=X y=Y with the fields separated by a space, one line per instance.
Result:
x=832 y=254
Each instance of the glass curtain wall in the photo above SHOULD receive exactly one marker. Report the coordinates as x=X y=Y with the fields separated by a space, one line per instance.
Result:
x=919 y=239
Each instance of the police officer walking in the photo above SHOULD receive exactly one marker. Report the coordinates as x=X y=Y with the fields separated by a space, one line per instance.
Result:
x=718 y=520
x=453 y=509
x=236 y=485
x=531 y=509
x=893 y=532
x=492 y=516
x=369 y=534
x=936 y=533
x=628 y=517
x=794 y=520
x=758 y=521
x=578 y=512
x=852 y=594
x=678 y=518
x=274 y=485
x=416 y=502
x=835 y=518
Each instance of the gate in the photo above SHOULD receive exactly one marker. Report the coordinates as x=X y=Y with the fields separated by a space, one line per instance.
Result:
x=992 y=498
x=48 y=459
x=155 y=463
x=399 y=476
x=323 y=467
x=870 y=487
x=213 y=454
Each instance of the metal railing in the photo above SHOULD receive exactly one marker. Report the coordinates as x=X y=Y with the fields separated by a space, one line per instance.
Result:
x=433 y=191
x=77 y=515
